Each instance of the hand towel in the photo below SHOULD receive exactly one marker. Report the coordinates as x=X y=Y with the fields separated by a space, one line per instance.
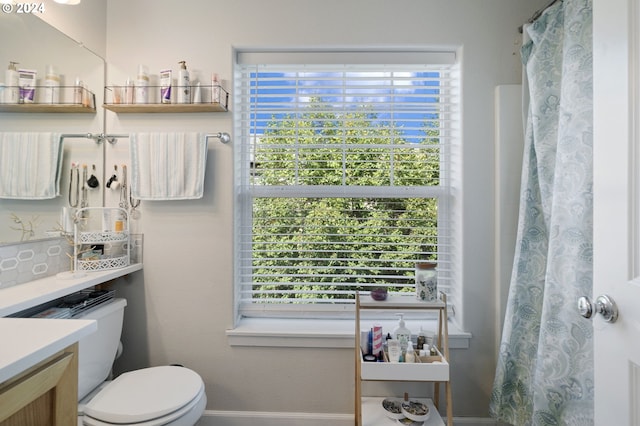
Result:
x=30 y=165
x=168 y=166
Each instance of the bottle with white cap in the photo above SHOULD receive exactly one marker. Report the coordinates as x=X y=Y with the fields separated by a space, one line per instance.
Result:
x=184 y=84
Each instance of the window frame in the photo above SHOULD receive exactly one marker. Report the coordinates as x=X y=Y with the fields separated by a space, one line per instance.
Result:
x=243 y=199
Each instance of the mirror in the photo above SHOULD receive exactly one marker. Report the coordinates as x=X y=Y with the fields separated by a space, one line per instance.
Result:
x=35 y=44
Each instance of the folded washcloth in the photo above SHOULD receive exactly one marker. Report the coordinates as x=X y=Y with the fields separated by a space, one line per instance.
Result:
x=30 y=165
x=168 y=166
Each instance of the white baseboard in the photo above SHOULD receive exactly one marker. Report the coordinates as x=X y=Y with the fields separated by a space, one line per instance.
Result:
x=247 y=418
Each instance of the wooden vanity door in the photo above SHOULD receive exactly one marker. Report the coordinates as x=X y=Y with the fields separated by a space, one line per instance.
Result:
x=44 y=395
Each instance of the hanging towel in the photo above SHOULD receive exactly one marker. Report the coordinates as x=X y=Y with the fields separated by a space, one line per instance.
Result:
x=168 y=166
x=30 y=165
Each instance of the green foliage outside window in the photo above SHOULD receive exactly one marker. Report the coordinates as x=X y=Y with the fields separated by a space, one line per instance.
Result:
x=326 y=247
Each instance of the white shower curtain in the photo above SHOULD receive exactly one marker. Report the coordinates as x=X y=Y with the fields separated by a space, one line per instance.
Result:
x=544 y=374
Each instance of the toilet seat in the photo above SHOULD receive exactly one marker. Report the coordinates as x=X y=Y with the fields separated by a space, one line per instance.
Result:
x=147 y=397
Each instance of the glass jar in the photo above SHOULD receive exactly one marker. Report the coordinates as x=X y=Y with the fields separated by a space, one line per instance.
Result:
x=426 y=281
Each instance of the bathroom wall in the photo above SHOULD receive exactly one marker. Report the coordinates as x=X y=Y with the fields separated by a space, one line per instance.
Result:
x=181 y=304
x=85 y=22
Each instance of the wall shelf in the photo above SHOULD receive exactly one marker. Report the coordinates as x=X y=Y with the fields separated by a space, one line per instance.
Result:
x=122 y=99
x=68 y=99
x=47 y=108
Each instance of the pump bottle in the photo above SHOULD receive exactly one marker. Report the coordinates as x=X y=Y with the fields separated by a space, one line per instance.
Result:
x=401 y=333
x=184 y=88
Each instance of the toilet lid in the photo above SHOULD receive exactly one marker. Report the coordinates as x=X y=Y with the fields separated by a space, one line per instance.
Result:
x=145 y=394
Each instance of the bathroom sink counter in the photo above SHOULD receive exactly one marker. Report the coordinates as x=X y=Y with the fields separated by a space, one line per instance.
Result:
x=23 y=296
x=30 y=341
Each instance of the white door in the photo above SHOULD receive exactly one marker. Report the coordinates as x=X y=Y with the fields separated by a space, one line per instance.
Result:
x=617 y=209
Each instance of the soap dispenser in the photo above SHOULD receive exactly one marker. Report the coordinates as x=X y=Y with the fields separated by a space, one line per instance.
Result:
x=184 y=87
x=401 y=333
x=11 y=80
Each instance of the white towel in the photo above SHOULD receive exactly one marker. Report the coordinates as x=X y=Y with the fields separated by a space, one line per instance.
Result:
x=30 y=165
x=168 y=166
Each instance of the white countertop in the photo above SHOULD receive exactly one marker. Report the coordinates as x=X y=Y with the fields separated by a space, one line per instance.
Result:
x=27 y=341
x=23 y=296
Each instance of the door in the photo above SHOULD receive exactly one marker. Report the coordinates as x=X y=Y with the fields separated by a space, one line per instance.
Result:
x=616 y=209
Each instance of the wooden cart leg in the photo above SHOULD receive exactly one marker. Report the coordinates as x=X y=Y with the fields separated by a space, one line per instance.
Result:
x=436 y=394
x=449 y=404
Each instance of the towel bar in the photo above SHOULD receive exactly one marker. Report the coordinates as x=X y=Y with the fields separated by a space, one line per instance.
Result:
x=223 y=136
x=112 y=139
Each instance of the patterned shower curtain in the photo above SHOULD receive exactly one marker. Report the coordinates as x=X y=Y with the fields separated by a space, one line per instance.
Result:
x=544 y=374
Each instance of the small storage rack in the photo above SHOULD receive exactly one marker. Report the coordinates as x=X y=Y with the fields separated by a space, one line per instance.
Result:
x=107 y=249
x=433 y=368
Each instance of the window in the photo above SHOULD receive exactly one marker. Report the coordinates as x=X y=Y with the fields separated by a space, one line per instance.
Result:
x=343 y=176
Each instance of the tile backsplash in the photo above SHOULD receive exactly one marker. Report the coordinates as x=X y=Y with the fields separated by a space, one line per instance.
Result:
x=31 y=260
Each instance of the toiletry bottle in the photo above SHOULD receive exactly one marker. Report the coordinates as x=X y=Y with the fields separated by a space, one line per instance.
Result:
x=27 y=81
x=77 y=91
x=86 y=96
x=410 y=355
x=197 y=94
x=394 y=350
x=184 y=88
x=165 y=86
x=11 y=81
x=128 y=91
x=421 y=340
x=52 y=86
x=142 y=85
x=120 y=221
x=401 y=333
x=215 y=89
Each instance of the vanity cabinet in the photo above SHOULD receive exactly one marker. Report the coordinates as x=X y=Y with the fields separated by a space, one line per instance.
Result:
x=43 y=395
x=429 y=369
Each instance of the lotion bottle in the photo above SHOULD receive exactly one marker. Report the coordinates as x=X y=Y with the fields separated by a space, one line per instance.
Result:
x=142 y=85
x=11 y=81
x=401 y=333
x=410 y=355
x=184 y=88
x=52 y=86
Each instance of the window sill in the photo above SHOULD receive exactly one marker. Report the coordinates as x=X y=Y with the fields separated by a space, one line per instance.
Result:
x=318 y=333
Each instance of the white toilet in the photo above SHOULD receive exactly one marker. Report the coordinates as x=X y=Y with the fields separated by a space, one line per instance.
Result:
x=166 y=395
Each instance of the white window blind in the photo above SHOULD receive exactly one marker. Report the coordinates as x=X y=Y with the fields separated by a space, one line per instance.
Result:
x=342 y=177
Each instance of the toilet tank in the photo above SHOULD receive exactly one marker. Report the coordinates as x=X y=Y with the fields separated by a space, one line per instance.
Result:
x=97 y=351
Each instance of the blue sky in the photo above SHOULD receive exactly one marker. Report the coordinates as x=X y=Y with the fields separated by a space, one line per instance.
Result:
x=414 y=95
